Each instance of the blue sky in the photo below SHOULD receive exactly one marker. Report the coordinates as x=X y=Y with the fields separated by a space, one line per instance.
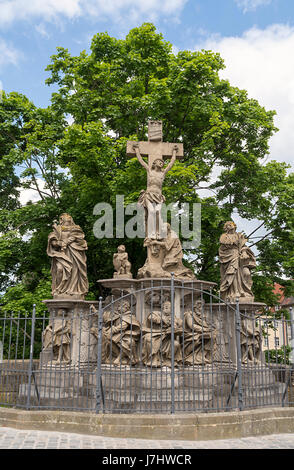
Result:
x=30 y=30
x=254 y=37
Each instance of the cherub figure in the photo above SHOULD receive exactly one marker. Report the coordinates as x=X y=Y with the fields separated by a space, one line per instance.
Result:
x=121 y=263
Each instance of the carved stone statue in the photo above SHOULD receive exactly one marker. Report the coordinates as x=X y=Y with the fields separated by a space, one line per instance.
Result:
x=67 y=249
x=199 y=337
x=173 y=256
x=152 y=198
x=121 y=263
x=164 y=257
x=57 y=335
x=120 y=335
x=157 y=298
x=236 y=262
x=153 y=263
x=156 y=338
x=250 y=341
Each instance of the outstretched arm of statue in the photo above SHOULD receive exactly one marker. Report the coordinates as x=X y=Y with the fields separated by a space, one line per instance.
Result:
x=138 y=155
x=173 y=159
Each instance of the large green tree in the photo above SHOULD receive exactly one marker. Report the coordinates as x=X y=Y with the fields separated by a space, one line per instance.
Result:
x=73 y=156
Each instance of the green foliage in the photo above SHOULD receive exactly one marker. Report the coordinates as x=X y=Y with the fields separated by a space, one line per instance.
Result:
x=109 y=95
x=16 y=316
x=278 y=356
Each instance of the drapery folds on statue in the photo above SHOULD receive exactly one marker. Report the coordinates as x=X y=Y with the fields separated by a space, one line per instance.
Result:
x=67 y=249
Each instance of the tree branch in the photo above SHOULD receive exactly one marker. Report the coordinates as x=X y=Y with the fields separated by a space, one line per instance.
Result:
x=265 y=236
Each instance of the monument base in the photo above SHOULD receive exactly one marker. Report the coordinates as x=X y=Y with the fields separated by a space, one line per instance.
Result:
x=198 y=389
x=77 y=319
x=142 y=390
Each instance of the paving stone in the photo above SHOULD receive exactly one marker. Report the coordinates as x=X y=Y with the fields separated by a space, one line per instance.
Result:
x=15 y=439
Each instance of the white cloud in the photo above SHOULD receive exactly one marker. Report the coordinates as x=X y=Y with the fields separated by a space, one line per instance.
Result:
x=262 y=62
x=12 y=10
x=55 y=10
x=32 y=195
x=40 y=28
x=70 y=119
x=251 y=5
x=8 y=54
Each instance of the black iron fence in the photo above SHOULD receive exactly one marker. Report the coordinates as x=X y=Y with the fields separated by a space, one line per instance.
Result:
x=159 y=349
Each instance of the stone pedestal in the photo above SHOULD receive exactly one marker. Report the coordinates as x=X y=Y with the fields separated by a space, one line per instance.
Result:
x=61 y=384
x=223 y=317
x=81 y=319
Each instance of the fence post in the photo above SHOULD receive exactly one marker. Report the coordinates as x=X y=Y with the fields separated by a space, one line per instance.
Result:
x=292 y=335
x=239 y=357
x=99 y=354
x=291 y=358
x=288 y=386
x=30 y=372
x=172 y=299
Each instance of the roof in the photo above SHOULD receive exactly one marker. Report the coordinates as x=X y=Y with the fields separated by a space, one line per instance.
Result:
x=287 y=302
x=283 y=301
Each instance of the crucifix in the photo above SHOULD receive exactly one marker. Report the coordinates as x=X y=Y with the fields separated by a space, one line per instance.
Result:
x=156 y=150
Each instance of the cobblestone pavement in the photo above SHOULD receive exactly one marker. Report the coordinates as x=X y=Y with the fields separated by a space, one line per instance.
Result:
x=30 y=439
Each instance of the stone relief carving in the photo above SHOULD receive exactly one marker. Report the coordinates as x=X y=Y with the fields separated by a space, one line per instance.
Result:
x=156 y=338
x=105 y=349
x=57 y=337
x=157 y=298
x=199 y=337
x=120 y=335
x=250 y=341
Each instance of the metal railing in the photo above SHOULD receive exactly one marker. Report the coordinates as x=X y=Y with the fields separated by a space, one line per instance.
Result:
x=164 y=348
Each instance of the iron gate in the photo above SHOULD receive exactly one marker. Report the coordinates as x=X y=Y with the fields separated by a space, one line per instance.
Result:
x=164 y=348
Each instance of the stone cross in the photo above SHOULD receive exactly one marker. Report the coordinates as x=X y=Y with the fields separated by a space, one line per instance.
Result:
x=154 y=148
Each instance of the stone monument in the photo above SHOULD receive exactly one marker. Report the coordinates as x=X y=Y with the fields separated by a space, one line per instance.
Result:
x=195 y=348
x=156 y=338
x=158 y=334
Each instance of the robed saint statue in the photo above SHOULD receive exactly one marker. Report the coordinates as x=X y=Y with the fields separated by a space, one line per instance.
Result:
x=67 y=249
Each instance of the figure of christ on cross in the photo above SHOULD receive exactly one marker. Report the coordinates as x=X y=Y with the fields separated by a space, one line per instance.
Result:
x=152 y=198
